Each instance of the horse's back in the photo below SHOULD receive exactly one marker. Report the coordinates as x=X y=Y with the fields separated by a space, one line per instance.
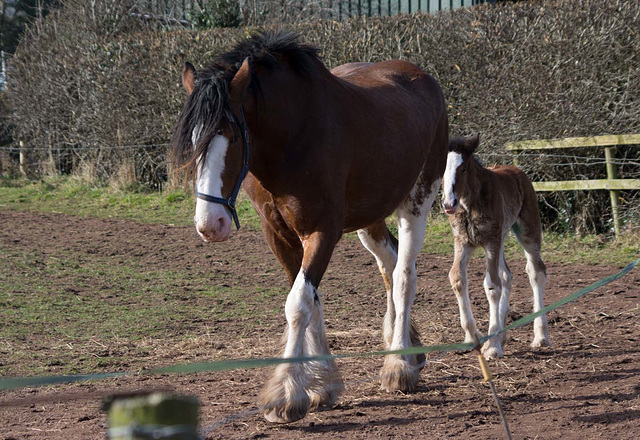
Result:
x=397 y=138
x=387 y=75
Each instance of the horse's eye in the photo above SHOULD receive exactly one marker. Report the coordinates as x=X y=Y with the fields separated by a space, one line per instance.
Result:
x=464 y=170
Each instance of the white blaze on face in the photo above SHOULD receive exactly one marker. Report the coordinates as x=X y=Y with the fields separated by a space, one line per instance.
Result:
x=212 y=220
x=454 y=160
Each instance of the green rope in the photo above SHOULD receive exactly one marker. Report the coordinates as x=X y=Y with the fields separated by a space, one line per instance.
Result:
x=20 y=382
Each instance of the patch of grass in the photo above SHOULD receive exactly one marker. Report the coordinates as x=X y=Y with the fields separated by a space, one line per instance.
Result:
x=73 y=196
x=175 y=207
x=78 y=312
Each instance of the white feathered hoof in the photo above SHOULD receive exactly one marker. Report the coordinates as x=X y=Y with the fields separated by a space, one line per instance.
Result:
x=398 y=374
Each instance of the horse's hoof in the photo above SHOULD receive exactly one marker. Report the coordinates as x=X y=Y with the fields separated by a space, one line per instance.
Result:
x=540 y=342
x=492 y=352
x=284 y=399
x=292 y=410
x=398 y=375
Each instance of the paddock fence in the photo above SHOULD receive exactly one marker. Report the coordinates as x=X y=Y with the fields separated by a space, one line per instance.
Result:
x=182 y=12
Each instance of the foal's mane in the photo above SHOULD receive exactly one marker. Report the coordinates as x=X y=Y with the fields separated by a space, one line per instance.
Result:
x=208 y=105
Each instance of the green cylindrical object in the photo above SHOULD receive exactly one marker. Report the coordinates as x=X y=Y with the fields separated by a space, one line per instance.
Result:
x=156 y=415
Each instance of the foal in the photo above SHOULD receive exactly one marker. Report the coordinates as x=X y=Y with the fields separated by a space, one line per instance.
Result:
x=483 y=204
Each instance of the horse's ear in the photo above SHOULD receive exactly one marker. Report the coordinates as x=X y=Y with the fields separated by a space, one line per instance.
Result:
x=188 y=77
x=240 y=81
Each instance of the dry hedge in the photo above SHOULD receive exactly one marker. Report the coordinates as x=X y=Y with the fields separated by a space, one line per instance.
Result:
x=93 y=85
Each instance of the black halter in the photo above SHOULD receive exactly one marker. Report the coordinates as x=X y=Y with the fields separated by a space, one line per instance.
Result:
x=230 y=203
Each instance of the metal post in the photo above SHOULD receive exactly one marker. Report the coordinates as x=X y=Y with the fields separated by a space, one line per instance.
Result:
x=612 y=173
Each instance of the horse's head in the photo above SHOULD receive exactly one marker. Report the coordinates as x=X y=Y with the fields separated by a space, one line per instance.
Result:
x=459 y=176
x=208 y=141
x=208 y=144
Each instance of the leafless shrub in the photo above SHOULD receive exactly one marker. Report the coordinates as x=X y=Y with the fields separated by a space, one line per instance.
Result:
x=91 y=82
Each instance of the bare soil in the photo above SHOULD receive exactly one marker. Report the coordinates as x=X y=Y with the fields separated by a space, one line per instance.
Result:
x=584 y=387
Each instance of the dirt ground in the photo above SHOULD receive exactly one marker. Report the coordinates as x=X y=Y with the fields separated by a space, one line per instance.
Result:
x=584 y=387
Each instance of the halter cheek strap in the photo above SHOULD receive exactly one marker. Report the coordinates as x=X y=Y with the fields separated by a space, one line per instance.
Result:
x=230 y=202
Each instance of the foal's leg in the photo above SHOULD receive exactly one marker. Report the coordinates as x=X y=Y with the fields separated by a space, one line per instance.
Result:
x=492 y=349
x=459 y=284
x=529 y=237
x=505 y=277
x=297 y=387
x=400 y=372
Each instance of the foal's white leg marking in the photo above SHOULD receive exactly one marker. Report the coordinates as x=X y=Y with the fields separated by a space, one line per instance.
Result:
x=397 y=372
x=454 y=160
x=505 y=278
x=537 y=279
x=209 y=181
x=459 y=284
x=493 y=289
x=386 y=257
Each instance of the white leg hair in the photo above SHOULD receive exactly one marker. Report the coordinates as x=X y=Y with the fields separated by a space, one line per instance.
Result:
x=386 y=257
x=297 y=388
x=325 y=383
x=284 y=396
x=401 y=372
x=505 y=278
x=537 y=279
x=459 y=284
x=493 y=288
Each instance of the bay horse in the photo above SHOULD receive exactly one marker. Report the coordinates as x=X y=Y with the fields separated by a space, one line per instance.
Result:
x=483 y=204
x=324 y=153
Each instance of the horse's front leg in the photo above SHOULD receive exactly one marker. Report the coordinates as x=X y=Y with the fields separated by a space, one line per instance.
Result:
x=401 y=372
x=297 y=387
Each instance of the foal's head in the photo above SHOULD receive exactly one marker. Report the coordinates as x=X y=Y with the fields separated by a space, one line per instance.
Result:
x=460 y=174
x=207 y=142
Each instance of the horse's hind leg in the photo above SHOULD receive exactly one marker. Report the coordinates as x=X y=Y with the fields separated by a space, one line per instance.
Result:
x=378 y=240
x=297 y=387
x=400 y=372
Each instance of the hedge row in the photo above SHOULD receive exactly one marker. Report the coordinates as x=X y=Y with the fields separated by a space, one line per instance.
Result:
x=85 y=81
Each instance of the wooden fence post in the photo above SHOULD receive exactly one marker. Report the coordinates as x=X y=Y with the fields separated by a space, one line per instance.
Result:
x=24 y=160
x=152 y=415
x=612 y=174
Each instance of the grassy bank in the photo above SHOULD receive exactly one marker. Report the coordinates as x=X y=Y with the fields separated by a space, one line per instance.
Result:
x=175 y=207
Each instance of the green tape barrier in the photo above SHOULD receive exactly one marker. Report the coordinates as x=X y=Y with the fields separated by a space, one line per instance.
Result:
x=20 y=382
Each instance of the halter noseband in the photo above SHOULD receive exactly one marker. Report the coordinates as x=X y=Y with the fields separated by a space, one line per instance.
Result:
x=230 y=202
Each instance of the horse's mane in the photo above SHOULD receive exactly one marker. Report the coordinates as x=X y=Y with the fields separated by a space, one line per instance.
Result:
x=208 y=107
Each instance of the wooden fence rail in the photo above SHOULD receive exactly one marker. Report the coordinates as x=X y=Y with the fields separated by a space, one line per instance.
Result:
x=611 y=183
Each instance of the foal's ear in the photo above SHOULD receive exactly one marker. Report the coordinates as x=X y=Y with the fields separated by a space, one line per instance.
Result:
x=470 y=144
x=188 y=77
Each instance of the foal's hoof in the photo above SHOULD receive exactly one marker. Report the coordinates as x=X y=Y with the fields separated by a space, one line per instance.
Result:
x=540 y=342
x=399 y=375
x=492 y=352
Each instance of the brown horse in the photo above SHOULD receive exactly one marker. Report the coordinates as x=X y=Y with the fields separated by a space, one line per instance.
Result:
x=327 y=152
x=483 y=205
